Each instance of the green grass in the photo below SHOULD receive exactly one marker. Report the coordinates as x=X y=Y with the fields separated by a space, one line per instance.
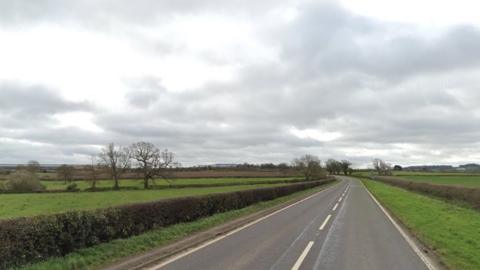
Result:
x=17 y=205
x=459 y=180
x=97 y=256
x=138 y=183
x=452 y=231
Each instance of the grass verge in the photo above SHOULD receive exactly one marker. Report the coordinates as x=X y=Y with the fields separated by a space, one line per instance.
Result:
x=451 y=230
x=97 y=256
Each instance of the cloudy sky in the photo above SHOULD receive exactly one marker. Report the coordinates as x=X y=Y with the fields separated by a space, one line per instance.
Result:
x=241 y=81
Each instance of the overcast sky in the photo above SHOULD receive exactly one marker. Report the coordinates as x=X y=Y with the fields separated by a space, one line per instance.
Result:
x=234 y=81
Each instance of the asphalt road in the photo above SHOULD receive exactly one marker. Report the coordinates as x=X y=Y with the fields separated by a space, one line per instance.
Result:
x=339 y=228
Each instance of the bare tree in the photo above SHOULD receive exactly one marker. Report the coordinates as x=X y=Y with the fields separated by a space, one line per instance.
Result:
x=117 y=160
x=382 y=167
x=310 y=166
x=147 y=156
x=33 y=166
x=345 y=165
x=150 y=161
x=93 y=170
x=65 y=172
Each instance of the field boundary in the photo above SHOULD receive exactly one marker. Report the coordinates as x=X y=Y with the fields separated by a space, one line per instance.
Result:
x=200 y=240
x=172 y=186
x=468 y=195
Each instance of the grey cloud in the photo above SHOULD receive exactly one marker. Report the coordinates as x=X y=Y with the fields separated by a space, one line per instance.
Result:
x=33 y=106
x=34 y=100
x=145 y=92
x=106 y=14
x=381 y=85
x=327 y=39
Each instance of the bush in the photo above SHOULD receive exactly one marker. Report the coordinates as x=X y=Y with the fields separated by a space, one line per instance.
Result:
x=72 y=187
x=23 y=181
x=456 y=193
x=26 y=240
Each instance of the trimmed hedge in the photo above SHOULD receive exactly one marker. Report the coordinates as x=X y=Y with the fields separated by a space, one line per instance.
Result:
x=456 y=193
x=26 y=240
x=225 y=184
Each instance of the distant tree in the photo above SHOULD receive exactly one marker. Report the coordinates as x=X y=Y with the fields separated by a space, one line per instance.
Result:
x=149 y=160
x=93 y=170
x=381 y=167
x=267 y=166
x=333 y=166
x=65 y=173
x=345 y=165
x=33 y=166
x=397 y=168
x=23 y=181
x=310 y=166
x=283 y=165
x=117 y=160
x=20 y=167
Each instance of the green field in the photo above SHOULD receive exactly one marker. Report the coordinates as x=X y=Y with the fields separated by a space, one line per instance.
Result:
x=17 y=205
x=138 y=183
x=458 y=180
x=452 y=231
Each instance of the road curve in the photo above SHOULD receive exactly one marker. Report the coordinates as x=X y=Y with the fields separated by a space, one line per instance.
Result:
x=339 y=228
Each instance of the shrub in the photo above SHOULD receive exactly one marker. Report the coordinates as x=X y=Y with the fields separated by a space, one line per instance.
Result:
x=23 y=181
x=25 y=240
x=457 y=193
x=72 y=187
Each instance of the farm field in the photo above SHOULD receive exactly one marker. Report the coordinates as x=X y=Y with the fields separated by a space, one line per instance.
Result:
x=454 y=178
x=455 y=236
x=82 y=185
x=458 y=180
x=18 y=205
x=138 y=183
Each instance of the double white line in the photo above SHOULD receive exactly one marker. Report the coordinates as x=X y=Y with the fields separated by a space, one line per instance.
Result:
x=305 y=252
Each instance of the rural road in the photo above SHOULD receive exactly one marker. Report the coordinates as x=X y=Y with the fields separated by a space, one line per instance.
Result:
x=339 y=228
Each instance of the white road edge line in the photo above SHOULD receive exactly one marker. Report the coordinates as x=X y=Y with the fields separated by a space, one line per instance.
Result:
x=335 y=207
x=339 y=200
x=304 y=254
x=325 y=222
x=407 y=238
x=187 y=252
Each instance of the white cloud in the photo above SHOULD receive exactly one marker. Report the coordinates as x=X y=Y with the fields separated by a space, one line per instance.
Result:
x=315 y=134
x=236 y=81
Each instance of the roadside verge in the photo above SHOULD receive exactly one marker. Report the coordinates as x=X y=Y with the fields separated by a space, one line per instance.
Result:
x=425 y=251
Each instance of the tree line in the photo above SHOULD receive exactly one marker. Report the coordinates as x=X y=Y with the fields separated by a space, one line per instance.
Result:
x=338 y=167
x=311 y=166
x=143 y=157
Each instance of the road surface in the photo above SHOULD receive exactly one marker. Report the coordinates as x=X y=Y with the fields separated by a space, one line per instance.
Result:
x=339 y=228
